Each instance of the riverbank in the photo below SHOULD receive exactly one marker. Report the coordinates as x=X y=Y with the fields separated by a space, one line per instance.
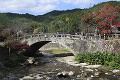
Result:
x=65 y=68
x=49 y=67
x=95 y=70
x=70 y=60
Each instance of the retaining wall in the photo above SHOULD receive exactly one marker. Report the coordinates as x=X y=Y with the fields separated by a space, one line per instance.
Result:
x=77 y=45
x=94 y=46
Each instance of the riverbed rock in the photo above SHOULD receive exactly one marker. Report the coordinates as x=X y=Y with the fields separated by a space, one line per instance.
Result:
x=31 y=60
x=36 y=63
x=62 y=74
x=89 y=70
x=37 y=77
x=83 y=64
x=105 y=71
x=74 y=63
x=97 y=73
x=109 y=73
x=93 y=66
x=49 y=78
x=27 y=78
x=82 y=76
x=92 y=76
x=78 y=76
x=115 y=71
x=44 y=76
x=32 y=75
x=71 y=73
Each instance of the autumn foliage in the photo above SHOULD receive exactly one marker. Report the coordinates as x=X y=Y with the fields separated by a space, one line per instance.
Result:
x=18 y=46
x=104 y=19
x=9 y=37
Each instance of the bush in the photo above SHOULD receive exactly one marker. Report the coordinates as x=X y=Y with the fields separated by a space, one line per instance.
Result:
x=111 y=60
x=80 y=58
x=14 y=59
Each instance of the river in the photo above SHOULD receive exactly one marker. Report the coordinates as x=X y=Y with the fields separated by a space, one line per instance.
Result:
x=49 y=68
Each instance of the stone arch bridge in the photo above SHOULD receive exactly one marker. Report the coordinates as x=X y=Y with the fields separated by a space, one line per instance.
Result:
x=65 y=40
x=73 y=43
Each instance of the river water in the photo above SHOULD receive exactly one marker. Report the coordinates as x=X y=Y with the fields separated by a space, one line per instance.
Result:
x=49 y=67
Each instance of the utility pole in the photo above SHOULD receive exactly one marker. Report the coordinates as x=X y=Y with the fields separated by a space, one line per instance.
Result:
x=90 y=3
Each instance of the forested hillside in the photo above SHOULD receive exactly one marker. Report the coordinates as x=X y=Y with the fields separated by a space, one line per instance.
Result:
x=27 y=22
x=69 y=20
x=73 y=21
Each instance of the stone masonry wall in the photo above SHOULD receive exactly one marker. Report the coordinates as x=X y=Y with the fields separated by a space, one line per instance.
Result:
x=85 y=46
x=93 y=46
x=111 y=45
x=77 y=46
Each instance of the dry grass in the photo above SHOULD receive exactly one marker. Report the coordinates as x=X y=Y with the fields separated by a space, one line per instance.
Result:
x=60 y=51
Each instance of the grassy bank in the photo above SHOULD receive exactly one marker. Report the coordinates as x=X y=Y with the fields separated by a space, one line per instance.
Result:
x=110 y=60
x=61 y=52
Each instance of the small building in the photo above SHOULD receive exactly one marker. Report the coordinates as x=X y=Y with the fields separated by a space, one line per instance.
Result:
x=115 y=33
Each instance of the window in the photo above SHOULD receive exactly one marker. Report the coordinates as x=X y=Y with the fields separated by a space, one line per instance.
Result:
x=118 y=28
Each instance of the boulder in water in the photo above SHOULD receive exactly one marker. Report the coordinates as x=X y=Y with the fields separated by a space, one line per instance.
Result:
x=62 y=74
x=31 y=60
x=71 y=73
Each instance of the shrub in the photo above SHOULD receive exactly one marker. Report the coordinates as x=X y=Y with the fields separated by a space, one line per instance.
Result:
x=14 y=60
x=80 y=58
x=111 y=60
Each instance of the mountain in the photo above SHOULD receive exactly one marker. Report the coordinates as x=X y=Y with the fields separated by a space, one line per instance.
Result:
x=50 y=16
x=64 y=20
x=60 y=12
x=72 y=21
x=6 y=19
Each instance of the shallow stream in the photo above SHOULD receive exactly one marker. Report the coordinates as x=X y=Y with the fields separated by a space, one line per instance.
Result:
x=49 y=67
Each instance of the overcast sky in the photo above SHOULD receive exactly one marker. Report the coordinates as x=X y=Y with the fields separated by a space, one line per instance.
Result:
x=39 y=7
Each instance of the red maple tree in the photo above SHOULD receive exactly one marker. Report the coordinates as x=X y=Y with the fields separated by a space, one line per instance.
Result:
x=104 y=19
x=18 y=46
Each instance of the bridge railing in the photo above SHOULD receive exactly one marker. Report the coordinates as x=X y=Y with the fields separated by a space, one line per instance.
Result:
x=55 y=38
x=63 y=39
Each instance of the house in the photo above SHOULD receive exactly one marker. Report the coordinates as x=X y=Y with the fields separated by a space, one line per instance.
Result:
x=115 y=32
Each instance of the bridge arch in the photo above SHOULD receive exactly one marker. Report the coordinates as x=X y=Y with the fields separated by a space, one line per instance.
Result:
x=34 y=48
